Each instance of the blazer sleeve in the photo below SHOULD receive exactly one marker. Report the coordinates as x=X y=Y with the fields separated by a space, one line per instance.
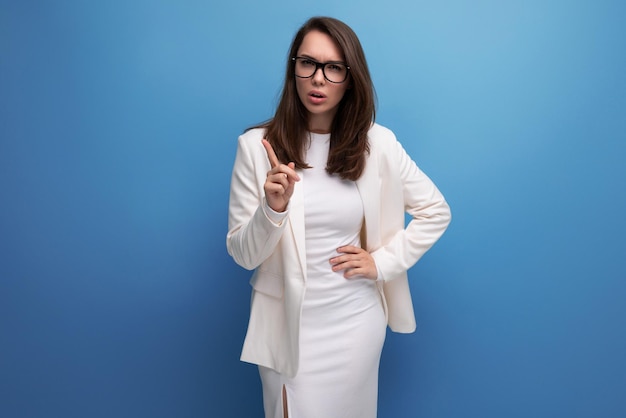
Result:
x=252 y=235
x=429 y=212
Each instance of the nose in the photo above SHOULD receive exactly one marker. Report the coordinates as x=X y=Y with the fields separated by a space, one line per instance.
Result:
x=318 y=76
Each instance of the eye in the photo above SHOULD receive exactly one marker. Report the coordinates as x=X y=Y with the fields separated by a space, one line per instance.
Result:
x=336 y=68
x=307 y=62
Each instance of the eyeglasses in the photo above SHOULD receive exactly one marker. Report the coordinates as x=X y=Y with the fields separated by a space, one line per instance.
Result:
x=335 y=72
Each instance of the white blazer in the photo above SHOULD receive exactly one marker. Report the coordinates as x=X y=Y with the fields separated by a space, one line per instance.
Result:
x=390 y=185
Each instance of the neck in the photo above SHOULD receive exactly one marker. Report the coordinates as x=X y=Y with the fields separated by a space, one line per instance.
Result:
x=320 y=124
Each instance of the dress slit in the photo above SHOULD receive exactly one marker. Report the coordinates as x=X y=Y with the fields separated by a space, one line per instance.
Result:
x=285 y=403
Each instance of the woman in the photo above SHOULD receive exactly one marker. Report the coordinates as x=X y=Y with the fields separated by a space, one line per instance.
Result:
x=317 y=205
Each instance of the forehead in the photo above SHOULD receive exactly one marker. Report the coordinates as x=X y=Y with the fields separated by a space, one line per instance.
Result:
x=320 y=46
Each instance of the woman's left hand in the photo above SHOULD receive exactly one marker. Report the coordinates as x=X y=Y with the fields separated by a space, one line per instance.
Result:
x=355 y=261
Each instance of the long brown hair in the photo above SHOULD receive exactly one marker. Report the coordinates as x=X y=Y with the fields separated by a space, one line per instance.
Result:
x=287 y=130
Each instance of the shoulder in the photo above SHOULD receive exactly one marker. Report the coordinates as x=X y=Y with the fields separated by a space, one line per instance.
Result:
x=251 y=136
x=380 y=138
x=386 y=149
x=249 y=142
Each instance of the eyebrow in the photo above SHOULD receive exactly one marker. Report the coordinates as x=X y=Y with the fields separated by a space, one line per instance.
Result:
x=322 y=62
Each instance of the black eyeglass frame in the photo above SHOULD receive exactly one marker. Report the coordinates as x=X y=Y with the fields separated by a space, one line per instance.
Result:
x=322 y=65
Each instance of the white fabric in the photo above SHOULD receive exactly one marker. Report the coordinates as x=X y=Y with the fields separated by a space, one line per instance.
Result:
x=390 y=186
x=343 y=324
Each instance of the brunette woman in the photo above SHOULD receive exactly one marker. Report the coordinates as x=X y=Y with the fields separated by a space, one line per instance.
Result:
x=317 y=210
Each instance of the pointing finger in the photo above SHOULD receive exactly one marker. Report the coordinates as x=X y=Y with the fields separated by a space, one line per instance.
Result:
x=271 y=155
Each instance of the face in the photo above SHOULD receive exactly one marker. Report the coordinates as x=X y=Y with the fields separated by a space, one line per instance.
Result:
x=318 y=95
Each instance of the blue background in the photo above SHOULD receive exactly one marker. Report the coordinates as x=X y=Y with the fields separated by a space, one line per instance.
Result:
x=118 y=127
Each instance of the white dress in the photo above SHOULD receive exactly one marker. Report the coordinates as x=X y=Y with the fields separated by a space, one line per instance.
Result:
x=343 y=324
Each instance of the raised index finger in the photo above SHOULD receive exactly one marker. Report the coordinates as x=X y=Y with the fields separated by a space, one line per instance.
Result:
x=270 y=153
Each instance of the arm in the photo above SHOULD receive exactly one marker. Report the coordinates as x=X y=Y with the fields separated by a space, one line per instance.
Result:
x=252 y=234
x=258 y=202
x=430 y=216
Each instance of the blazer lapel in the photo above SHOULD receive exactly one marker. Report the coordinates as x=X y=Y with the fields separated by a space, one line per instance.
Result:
x=296 y=221
x=369 y=188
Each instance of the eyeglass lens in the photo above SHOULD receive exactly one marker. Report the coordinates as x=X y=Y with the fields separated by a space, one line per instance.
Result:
x=334 y=72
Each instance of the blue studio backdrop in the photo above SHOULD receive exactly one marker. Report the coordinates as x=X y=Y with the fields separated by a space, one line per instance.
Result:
x=118 y=127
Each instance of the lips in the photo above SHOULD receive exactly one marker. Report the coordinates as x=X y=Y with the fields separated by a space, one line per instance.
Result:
x=317 y=97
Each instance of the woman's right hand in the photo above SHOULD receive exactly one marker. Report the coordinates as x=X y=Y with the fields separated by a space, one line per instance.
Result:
x=280 y=181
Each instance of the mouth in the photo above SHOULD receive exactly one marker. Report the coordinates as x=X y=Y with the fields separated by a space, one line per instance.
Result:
x=317 y=95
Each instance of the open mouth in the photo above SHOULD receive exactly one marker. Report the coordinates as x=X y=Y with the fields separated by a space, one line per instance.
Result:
x=317 y=95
